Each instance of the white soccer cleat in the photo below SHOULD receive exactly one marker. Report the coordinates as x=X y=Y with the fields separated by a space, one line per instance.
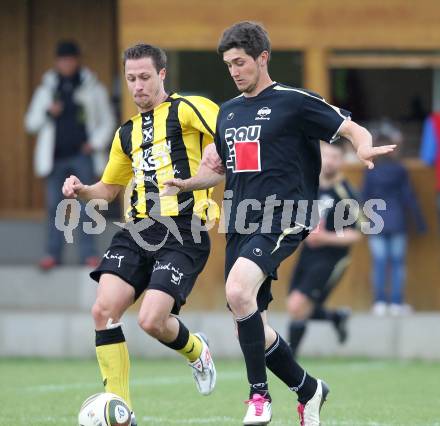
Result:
x=309 y=413
x=203 y=368
x=259 y=411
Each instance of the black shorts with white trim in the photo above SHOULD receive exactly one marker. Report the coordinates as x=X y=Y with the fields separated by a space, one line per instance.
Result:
x=265 y=250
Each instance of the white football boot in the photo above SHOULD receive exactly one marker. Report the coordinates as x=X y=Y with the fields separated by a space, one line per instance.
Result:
x=203 y=368
x=309 y=412
x=259 y=411
x=133 y=420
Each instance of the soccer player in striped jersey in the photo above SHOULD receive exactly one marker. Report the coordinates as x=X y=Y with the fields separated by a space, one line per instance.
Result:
x=165 y=139
x=267 y=140
x=325 y=255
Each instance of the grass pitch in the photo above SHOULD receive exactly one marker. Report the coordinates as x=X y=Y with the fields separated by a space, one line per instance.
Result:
x=363 y=393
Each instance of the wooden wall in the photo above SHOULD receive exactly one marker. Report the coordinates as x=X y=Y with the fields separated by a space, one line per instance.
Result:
x=14 y=158
x=29 y=31
x=314 y=26
x=292 y=24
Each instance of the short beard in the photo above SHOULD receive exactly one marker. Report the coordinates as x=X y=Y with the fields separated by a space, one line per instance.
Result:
x=149 y=104
x=144 y=105
x=249 y=89
x=252 y=86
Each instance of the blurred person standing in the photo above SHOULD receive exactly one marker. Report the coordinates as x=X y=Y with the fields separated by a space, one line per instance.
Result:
x=325 y=255
x=389 y=181
x=430 y=150
x=71 y=114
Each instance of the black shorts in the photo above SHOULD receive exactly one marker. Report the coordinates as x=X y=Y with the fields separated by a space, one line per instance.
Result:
x=267 y=251
x=173 y=268
x=317 y=278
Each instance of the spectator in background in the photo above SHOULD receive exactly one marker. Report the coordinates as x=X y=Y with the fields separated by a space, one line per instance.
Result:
x=71 y=115
x=389 y=181
x=430 y=150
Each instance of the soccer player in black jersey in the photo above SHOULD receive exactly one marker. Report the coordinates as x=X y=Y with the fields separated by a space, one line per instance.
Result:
x=267 y=147
x=325 y=253
x=165 y=139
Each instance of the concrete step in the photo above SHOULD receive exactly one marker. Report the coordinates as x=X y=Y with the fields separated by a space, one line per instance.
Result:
x=71 y=334
x=63 y=288
x=24 y=242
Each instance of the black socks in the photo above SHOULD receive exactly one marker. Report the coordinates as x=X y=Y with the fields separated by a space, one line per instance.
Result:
x=280 y=361
x=252 y=342
x=296 y=333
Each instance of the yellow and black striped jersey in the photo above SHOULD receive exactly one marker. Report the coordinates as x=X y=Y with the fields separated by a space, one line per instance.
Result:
x=153 y=147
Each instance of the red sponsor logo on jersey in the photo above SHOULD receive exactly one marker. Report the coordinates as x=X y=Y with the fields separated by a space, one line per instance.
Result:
x=244 y=148
x=247 y=156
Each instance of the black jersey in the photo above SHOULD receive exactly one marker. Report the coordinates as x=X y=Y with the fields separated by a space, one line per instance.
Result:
x=341 y=192
x=269 y=145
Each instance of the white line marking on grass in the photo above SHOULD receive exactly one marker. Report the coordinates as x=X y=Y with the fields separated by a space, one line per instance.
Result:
x=194 y=421
x=371 y=423
x=155 y=381
x=232 y=420
x=215 y=420
x=49 y=420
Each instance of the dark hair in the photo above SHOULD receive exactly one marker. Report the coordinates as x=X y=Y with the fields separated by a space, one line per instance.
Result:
x=250 y=36
x=67 y=48
x=142 y=50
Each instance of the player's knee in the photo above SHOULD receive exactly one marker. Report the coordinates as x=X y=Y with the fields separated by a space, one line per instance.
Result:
x=152 y=325
x=238 y=298
x=297 y=308
x=101 y=314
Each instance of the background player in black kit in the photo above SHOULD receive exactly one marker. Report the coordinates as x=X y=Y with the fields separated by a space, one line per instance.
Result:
x=325 y=254
x=267 y=140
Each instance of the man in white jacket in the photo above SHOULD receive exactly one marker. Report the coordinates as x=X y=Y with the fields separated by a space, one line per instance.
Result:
x=71 y=115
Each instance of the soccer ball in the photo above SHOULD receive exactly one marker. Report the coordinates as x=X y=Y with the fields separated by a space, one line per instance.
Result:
x=104 y=409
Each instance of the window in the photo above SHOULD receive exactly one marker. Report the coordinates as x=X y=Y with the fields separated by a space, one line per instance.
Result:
x=398 y=86
x=203 y=73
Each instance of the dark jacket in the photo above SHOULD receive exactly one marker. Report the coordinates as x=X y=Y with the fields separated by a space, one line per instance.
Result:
x=389 y=181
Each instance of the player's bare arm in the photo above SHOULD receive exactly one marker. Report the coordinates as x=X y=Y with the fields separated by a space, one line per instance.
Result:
x=362 y=141
x=74 y=188
x=327 y=238
x=210 y=174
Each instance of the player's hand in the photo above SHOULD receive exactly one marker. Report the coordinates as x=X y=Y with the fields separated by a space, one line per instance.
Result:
x=367 y=153
x=317 y=237
x=72 y=186
x=172 y=187
x=87 y=149
x=212 y=160
x=314 y=240
x=56 y=109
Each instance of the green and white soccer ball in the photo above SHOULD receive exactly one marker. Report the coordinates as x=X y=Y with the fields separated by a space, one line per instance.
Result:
x=104 y=409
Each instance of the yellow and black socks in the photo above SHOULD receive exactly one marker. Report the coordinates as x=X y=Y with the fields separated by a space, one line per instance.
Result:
x=114 y=362
x=187 y=344
x=279 y=360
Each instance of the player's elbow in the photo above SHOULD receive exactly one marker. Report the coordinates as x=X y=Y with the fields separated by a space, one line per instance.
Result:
x=110 y=192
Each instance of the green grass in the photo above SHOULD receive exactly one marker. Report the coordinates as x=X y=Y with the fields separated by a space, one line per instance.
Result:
x=363 y=393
